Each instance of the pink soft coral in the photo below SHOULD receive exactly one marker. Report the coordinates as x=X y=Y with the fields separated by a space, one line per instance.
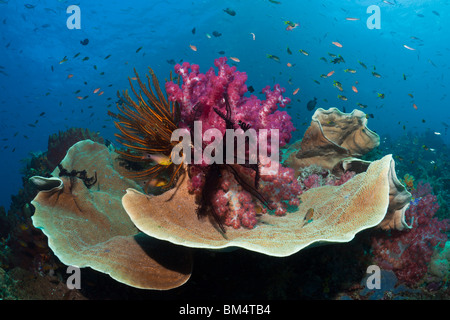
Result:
x=202 y=97
x=408 y=253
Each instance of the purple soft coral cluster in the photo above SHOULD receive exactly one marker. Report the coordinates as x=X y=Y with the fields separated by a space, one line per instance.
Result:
x=198 y=96
x=409 y=252
x=207 y=91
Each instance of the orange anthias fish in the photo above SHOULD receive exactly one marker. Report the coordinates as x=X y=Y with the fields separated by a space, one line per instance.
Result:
x=289 y=64
x=354 y=89
x=96 y=90
x=295 y=91
x=235 y=59
x=69 y=76
x=101 y=92
x=194 y=48
x=80 y=98
x=337 y=44
x=414 y=106
x=329 y=74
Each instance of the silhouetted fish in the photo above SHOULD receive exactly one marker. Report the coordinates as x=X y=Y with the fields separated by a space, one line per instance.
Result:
x=311 y=104
x=84 y=42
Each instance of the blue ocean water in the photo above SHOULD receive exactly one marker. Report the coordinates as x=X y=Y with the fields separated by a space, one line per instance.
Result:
x=410 y=51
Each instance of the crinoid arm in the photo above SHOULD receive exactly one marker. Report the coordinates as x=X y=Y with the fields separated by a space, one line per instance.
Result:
x=145 y=128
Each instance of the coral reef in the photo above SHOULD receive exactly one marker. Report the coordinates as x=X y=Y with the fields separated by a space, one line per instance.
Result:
x=218 y=101
x=59 y=143
x=409 y=253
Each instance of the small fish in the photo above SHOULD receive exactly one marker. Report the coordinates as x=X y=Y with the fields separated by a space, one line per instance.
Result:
x=85 y=59
x=420 y=15
x=308 y=217
x=84 y=42
x=350 y=70
x=414 y=106
x=436 y=13
x=404 y=77
x=208 y=36
x=332 y=55
x=351 y=19
x=362 y=64
x=316 y=81
x=338 y=85
x=369 y=115
x=95 y=67
x=29 y=6
x=96 y=90
x=251 y=89
x=411 y=95
x=63 y=60
x=275 y=2
x=78 y=91
x=273 y=57
x=235 y=59
x=288 y=50
x=107 y=56
x=80 y=98
x=289 y=64
x=304 y=52
x=387 y=2
x=343 y=98
x=193 y=48
x=323 y=59
x=134 y=78
x=380 y=95
x=138 y=49
x=409 y=48
x=292 y=26
x=253 y=35
x=376 y=75
x=329 y=74
x=41 y=114
x=101 y=92
x=295 y=91
x=231 y=12
x=311 y=104
x=69 y=76
x=216 y=34
x=363 y=106
x=437 y=133
x=193 y=30
x=158 y=158
x=76 y=54
x=354 y=89
x=157 y=182
x=337 y=44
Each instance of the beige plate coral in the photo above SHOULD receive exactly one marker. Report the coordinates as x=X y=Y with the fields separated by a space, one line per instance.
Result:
x=339 y=213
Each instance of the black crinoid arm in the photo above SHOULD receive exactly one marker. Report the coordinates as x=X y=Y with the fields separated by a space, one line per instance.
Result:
x=214 y=171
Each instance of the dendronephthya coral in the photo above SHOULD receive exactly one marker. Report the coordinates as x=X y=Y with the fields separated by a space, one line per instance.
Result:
x=112 y=225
